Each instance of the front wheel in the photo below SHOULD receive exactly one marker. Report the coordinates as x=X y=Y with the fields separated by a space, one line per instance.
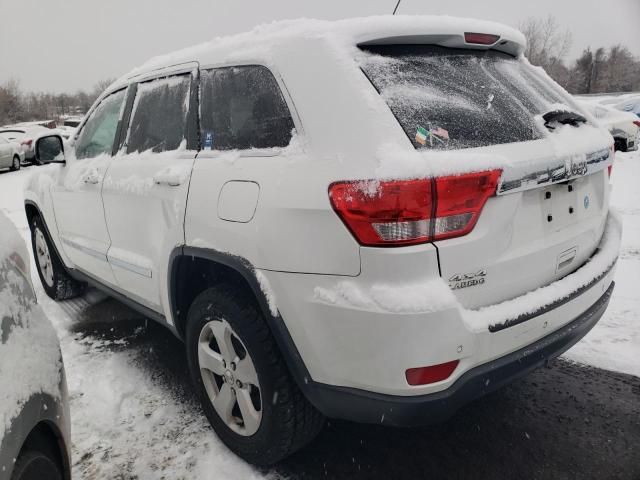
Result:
x=57 y=283
x=246 y=391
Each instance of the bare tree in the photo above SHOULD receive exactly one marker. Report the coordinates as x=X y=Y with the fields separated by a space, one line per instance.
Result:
x=11 y=107
x=547 y=42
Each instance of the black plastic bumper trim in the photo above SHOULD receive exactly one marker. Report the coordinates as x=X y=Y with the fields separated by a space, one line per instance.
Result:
x=547 y=308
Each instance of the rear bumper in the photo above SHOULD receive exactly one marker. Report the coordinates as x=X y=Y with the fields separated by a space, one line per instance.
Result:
x=368 y=407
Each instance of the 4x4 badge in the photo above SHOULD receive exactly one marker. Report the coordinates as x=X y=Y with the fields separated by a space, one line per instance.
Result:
x=466 y=280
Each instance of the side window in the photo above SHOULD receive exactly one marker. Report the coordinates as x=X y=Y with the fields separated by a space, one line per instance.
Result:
x=242 y=108
x=99 y=131
x=159 y=115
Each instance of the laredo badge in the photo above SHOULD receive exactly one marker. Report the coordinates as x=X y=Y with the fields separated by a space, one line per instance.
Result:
x=466 y=280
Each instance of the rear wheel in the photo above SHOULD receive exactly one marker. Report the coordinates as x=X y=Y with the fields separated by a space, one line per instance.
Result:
x=57 y=283
x=36 y=465
x=15 y=165
x=246 y=391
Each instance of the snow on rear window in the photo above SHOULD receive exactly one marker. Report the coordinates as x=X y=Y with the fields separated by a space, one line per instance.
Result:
x=452 y=98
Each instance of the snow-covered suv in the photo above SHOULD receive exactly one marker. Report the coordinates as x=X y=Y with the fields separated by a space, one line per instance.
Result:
x=376 y=219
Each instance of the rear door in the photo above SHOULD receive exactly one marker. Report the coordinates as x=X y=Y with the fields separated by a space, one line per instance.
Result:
x=145 y=188
x=470 y=110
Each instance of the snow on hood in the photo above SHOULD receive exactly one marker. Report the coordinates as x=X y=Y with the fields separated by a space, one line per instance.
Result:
x=30 y=360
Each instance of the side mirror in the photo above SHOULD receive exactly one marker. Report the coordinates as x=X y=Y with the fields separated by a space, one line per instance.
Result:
x=49 y=149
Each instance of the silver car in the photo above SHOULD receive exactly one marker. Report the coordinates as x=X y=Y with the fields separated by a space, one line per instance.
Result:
x=34 y=407
x=11 y=154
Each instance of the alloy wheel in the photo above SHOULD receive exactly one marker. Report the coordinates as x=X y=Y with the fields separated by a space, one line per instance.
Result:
x=44 y=258
x=230 y=377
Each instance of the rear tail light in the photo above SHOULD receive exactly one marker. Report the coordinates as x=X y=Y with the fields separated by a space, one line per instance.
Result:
x=613 y=156
x=481 y=38
x=432 y=374
x=636 y=123
x=27 y=142
x=409 y=212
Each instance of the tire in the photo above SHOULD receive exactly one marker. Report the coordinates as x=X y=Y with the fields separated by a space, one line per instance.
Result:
x=35 y=465
x=288 y=421
x=16 y=163
x=57 y=283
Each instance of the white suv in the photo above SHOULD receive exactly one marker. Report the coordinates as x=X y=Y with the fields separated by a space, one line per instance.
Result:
x=376 y=219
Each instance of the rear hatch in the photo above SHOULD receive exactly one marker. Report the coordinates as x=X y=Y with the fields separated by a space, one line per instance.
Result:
x=548 y=214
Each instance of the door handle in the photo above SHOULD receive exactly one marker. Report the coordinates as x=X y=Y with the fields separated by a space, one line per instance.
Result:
x=92 y=178
x=172 y=180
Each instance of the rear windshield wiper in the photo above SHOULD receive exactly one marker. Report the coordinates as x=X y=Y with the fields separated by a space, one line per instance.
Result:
x=562 y=117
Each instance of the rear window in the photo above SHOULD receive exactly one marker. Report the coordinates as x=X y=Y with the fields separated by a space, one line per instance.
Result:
x=455 y=98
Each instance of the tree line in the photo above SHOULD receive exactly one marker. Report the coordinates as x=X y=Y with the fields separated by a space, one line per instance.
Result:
x=598 y=70
x=18 y=106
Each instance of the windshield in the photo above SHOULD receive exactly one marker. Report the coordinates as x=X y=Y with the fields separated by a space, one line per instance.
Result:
x=453 y=98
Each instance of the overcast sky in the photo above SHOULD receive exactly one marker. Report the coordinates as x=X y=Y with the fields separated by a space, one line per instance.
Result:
x=64 y=45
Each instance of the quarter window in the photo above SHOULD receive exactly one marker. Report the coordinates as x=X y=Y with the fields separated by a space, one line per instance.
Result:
x=243 y=108
x=99 y=131
x=159 y=115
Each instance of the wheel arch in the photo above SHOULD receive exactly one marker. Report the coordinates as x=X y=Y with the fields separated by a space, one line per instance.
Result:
x=32 y=210
x=188 y=266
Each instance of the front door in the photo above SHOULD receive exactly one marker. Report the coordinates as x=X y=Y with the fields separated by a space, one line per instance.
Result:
x=146 y=185
x=76 y=194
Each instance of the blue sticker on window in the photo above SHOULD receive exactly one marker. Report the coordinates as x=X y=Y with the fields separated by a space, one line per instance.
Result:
x=208 y=140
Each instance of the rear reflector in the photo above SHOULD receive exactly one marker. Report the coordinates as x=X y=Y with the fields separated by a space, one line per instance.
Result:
x=613 y=156
x=408 y=212
x=432 y=374
x=481 y=38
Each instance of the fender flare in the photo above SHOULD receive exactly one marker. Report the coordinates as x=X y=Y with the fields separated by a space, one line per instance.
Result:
x=276 y=324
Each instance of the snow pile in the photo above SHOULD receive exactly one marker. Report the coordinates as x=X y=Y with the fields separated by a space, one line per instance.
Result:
x=265 y=286
x=434 y=295
x=128 y=425
x=429 y=296
x=30 y=361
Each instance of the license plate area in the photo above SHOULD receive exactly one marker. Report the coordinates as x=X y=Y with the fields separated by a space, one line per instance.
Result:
x=567 y=203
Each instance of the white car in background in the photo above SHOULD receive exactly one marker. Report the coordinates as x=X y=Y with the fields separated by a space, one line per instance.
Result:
x=25 y=137
x=630 y=104
x=362 y=240
x=11 y=154
x=623 y=126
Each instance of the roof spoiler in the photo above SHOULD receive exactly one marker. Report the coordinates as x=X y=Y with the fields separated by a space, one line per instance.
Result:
x=469 y=40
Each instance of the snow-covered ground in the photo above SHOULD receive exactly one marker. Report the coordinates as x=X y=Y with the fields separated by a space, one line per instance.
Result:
x=127 y=423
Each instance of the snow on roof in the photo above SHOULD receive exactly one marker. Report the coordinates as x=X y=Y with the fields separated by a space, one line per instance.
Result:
x=261 y=41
